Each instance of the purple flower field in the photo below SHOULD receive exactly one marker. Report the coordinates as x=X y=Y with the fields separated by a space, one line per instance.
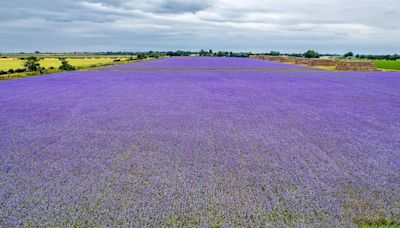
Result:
x=192 y=148
x=208 y=63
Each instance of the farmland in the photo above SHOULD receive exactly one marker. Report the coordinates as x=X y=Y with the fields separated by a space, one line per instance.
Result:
x=16 y=63
x=201 y=142
x=381 y=64
x=385 y=64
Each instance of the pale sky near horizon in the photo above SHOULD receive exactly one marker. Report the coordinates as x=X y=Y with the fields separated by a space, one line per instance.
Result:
x=330 y=26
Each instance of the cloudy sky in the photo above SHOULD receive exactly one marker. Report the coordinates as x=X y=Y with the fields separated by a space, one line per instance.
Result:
x=329 y=26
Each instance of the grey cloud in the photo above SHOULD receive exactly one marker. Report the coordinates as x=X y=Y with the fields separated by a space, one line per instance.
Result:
x=257 y=25
x=179 y=6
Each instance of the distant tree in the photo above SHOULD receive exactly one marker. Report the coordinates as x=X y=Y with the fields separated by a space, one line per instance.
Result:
x=221 y=54
x=141 y=56
x=202 y=53
x=311 y=54
x=295 y=55
x=65 y=65
x=274 y=53
x=32 y=64
x=348 y=54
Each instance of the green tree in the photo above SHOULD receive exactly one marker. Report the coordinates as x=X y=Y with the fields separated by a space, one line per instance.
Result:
x=348 y=54
x=65 y=65
x=141 y=56
x=202 y=53
x=274 y=53
x=32 y=64
x=311 y=54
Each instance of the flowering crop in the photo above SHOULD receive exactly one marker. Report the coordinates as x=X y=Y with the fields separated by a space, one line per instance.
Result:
x=182 y=148
x=208 y=63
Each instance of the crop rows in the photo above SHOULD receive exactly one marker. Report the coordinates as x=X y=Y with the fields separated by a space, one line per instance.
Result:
x=192 y=148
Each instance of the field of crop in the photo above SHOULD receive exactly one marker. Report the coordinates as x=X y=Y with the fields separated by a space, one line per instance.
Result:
x=380 y=64
x=201 y=142
x=385 y=64
x=14 y=63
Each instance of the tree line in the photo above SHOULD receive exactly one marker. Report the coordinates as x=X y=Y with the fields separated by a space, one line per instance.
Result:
x=202 y=52
x=314 y=54
x=378 y=57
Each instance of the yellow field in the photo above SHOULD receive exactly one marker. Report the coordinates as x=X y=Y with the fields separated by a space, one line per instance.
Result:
x=13 y=63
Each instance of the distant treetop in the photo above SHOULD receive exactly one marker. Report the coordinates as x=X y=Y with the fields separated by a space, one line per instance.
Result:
x=311 y=54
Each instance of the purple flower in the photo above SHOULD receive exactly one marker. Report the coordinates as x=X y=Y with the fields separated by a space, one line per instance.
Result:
x=200 y=148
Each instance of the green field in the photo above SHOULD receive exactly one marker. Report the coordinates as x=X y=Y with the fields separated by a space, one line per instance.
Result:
x=380 y=64
x=385 y=64
x=15 y=63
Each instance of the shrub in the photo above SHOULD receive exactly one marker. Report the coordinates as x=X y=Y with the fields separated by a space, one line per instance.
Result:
x=11 y=71
x=32 y=64
x=65 y=65
x=20 y=70
x=42 y=70
x=2 y=72
x=141 y=56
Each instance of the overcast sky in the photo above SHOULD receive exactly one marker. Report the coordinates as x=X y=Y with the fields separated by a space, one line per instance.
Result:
x=329 y=26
